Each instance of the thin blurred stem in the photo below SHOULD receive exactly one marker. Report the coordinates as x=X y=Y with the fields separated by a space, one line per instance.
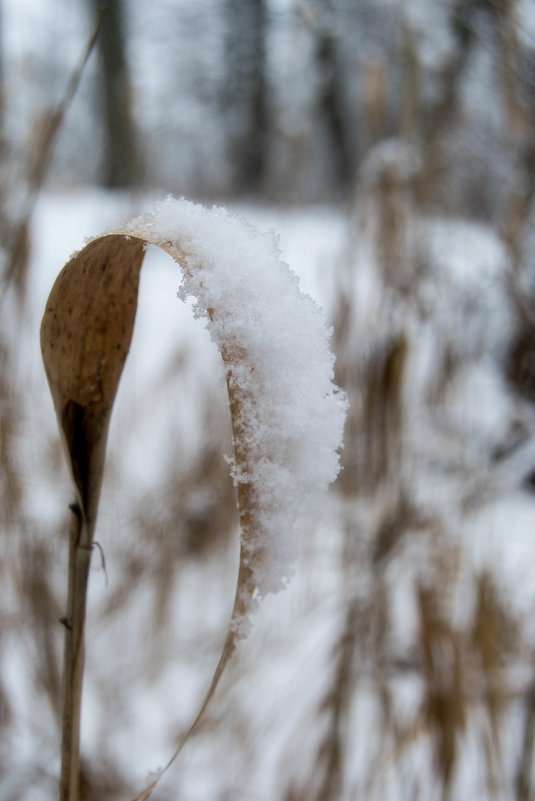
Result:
x=523 y=779
x=73 y=659
x=40 y=165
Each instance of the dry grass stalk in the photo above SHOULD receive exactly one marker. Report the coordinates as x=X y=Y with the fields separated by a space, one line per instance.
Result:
x=18 y=237
x=440 y=116
x=445 y=699
x=523 y=780
x=13 y=272
x=85 y=338
x=518 y=121
x=374 y=103
x=337 y=701
x=411 y=97
x=492 y=636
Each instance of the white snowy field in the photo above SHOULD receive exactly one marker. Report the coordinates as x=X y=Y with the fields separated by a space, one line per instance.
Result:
x=156 y=623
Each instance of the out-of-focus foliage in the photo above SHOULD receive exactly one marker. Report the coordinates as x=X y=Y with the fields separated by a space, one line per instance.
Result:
x=399 y=663
x=284 y=97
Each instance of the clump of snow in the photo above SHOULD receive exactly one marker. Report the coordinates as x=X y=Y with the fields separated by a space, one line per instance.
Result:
x=289 y=421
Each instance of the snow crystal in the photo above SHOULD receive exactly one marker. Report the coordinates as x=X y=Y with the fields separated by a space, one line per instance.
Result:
x=276 y=348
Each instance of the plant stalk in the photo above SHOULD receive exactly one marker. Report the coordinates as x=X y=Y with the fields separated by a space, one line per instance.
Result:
x=73 y=657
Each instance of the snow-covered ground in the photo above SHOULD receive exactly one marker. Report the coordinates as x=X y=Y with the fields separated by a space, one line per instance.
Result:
x=265 y=729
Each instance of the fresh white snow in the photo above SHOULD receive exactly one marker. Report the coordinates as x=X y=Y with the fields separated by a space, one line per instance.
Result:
x=275 y=344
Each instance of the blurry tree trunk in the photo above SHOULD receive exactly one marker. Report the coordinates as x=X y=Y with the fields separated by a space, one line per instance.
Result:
x=245 y=97
x=411 y=92
x=441 y=113
x=518 y=125
x=121 y=167
x=3 y=218
x=331 y=103
x=374 y=83
x=1 y=80
x=519 y=122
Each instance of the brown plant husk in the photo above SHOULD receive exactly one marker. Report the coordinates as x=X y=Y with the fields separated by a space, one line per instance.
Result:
x=85 y=338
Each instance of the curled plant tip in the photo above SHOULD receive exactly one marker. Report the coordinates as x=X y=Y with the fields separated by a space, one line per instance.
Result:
x=287 y=415
x=85 y=337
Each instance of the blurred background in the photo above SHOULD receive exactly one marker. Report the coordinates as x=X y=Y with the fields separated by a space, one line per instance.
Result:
x=391 y=145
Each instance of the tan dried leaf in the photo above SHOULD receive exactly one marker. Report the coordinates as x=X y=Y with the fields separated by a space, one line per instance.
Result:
x=85 y=338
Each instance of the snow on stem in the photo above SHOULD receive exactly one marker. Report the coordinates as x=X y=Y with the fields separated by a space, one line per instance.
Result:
x=287 y=415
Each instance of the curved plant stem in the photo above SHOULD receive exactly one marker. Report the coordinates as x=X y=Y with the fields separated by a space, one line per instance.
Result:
x=73 y=658
x=242 y=601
